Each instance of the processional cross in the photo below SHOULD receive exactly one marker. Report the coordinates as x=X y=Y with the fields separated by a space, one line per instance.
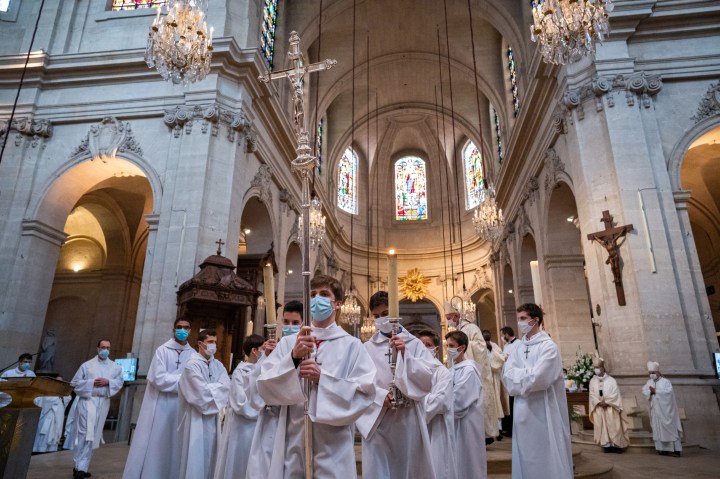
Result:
x=611 y=238
x=303 y=165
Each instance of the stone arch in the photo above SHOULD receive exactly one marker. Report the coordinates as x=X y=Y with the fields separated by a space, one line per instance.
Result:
x=421 y=314
x=508 y=303
x=528 y=252
x=565 y=291
x=257 y=218
x=293 y=273
x=679 y=151
x=484 y=299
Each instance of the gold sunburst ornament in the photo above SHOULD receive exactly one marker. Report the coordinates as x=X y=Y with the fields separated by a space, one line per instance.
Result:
x=414 y=286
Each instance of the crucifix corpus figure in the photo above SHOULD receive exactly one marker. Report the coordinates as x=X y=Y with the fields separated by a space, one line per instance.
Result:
x=611 y=238
x=296 y=76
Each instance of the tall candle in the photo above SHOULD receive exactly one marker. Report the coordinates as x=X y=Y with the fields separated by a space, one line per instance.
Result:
x=249 y=328
x=537 y=287
x=394 y=305
x=268 y=280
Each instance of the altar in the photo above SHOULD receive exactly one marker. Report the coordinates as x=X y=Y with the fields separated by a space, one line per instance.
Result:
x=580 y=403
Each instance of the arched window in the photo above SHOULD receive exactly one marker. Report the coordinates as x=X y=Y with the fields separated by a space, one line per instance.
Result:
x=267 y=38
x=410 y=189
x=347 y=182
x=472 y=160
x=498 y=136
x=513 y=81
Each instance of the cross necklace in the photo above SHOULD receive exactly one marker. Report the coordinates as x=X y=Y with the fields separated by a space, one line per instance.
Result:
x=527 y=350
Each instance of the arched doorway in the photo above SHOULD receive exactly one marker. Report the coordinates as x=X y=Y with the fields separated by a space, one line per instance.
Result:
x=484 y=300
x=98 y=275
x=293 y=273
x=419 y=315
x=700 y=174
x=528 y=253
x=566 y=292
x=508 y=302
x=256 y=229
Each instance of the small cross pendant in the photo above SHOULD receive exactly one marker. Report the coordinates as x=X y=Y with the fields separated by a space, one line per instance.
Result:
x=527 y=351
x=178 y=362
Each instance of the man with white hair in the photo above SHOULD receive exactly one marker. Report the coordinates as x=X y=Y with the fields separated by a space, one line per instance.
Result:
x=606 y=411
x=477 y=351
x=664 y=417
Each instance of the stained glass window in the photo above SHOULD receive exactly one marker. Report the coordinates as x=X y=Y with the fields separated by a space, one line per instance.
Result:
x=498 y=137
x=318 y=145
x=136 y=4
x=4 y=5
x=267 y=38
x=473 y=175
x=513 y=81
x=347 y=185
x=410 y=189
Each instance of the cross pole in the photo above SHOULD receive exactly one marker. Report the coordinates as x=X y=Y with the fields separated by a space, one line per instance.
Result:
x=608 y=238
x=303 y=165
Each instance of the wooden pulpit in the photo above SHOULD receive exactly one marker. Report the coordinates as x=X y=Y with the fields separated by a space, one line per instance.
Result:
x=19 y=421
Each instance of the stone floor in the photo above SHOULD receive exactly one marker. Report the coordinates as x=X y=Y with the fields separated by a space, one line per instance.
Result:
x=109 y=460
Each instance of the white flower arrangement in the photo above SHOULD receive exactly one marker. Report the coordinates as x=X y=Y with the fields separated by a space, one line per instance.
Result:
x=582 y=371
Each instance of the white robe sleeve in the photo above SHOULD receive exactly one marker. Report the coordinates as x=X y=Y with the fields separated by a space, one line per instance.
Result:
x=441 y=396
x=414 y=372
x=158 y=374
x=646 y=390
x=279 y=383
x=208 y=399
x=237 y=399
x=116 y=381
x=468 y=388
x=83 y=383
x=342 y=400
x=520 y=381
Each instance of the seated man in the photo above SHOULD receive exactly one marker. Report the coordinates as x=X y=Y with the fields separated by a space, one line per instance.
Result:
x=606 y=411
x=23 y=369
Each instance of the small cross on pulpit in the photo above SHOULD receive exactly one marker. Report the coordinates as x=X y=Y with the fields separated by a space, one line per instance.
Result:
x=611 y=238
x=220 y=244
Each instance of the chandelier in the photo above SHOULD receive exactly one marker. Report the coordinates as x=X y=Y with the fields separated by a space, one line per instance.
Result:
x=367 y=329
x=568 y=29
x=179 y=45
x=488 y=218
x=468 y=309
x=350 y=309
x=317 y=223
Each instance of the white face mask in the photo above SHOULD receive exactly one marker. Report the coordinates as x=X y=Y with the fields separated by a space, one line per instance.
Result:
x=383 y=324
x=433 y=351
x=211 y=349
x=524 y=327
x=653 y=376
x=452 y=353
x=597 y=371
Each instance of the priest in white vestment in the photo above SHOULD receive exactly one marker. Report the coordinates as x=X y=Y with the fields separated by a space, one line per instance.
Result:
x=95 y=383
x=470 y=453
x=610 y=424
x=50 y=425
x=203 y=393
x=395 y=442
x=240 y=415
x=477 y=351
x=664 y=416
x=438 y=406
x=154 y=452
x=541 y=429
x=510 y=344
x=23 y=369
x=341 y=388
x=496 y=361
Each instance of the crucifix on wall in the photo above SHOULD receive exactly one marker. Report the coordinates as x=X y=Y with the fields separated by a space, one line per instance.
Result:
x=611 y=238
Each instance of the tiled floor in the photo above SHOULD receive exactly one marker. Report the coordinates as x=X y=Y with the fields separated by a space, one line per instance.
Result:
x=109 y=461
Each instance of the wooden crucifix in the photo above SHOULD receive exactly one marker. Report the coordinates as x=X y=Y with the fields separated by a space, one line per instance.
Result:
x=611 y=238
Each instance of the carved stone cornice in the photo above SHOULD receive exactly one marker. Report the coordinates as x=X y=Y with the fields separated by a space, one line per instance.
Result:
x=108 y=137
x=529 y=194
x=43 y=231
x=184 y=117
x=601 y=90
x=27 y=127
x=709 y=105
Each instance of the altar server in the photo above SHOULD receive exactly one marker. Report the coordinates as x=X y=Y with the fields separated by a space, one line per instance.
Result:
x=438 y=406
x=610 y=423
x=541 y=429
x=154 y=452
x=664 y=416
x=95 y=383
x=395 y=441
x=50 y=425
x=341 y=376
x=470 y=454
x=240 y=415
x=23 y=369
x=203 y=393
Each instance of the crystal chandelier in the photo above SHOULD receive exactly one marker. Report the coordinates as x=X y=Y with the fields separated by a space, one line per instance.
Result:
x=488 y=218
x=179 y=45
x=468 y=309
x=350 y=309
x=367 y=329
x=568 y=29
x=317 y=223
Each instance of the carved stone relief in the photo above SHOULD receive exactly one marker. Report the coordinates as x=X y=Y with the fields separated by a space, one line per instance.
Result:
x=27 y=127
x=553 y=166
x=709 y=105
x=183 y=117
x=263 y=182
x=107 y=138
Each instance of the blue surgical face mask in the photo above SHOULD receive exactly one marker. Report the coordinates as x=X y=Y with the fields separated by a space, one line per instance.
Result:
x=103 y=353
x=321 y=308
x=181 y=334
x=290 y=329
x=25 y=366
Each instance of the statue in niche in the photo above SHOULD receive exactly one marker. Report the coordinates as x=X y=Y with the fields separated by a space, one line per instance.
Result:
x=47 y=352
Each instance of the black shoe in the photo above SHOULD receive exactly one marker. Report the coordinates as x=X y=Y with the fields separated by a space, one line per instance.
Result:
x=663 y=453
x=500 y=437
x=608 y=449
x=676 y=454
x=489 y=440
x=80 y=474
